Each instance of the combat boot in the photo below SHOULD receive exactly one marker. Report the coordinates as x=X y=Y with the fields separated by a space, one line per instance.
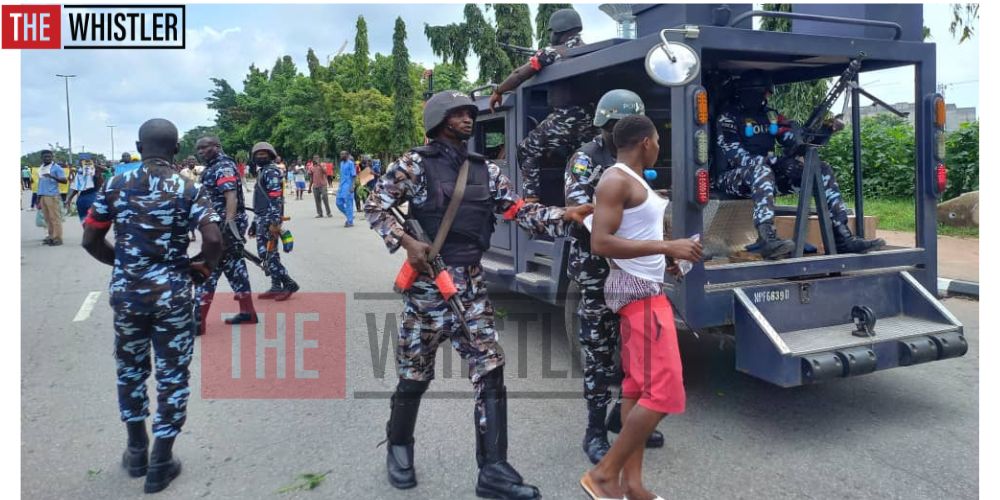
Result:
x=595 y=440
x=163 y=467
x=290 y=287
x=655 y=439
x=497 y=477
x=403 y=408
x=848 y=243
x=772 y=247
x=135 y=460
x=277 y=287
x=247 y=313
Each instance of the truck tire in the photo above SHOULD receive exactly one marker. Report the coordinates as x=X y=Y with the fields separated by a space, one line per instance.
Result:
x=571 y=325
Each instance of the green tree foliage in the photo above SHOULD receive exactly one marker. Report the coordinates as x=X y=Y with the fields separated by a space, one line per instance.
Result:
x=362 y=77
x=545 y=11
x=60 y=155
x=450 y=77
x=963 y=160
x=888 y=157
x=794 y=100
x=963 y=18
x=477 y=34
x=404 y=107
x=513 y=26
x=190 y=138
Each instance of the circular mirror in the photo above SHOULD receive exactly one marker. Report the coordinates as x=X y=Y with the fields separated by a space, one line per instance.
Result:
x=672 y=64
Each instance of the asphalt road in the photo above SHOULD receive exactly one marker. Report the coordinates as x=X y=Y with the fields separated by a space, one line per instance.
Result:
x=905 y=433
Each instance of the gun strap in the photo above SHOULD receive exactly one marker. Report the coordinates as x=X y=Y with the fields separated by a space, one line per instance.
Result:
x=451 y=211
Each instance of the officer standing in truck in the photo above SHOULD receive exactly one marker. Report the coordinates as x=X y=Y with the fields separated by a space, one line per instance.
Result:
x=426 y=177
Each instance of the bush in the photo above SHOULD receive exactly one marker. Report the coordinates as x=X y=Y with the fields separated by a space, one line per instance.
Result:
x=962 y=154
x=888 y=157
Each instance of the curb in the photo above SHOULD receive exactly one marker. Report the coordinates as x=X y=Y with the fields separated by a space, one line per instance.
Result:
x=948 y=287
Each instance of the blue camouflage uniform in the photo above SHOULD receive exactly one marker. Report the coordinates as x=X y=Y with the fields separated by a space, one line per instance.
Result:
x=569 y=125
x=598 y=324
x=427 y=320
x=220 y=176
x=269 y=207
x=153 y=210
x=745 y=142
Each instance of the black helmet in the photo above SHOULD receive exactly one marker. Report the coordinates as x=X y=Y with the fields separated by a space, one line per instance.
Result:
x=616 y=104
x=564 y=20
x=439 y=105
x=756 y=78
x=263 y=146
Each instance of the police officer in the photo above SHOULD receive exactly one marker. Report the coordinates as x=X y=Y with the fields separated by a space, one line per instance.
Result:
x=746 y=131
x=599 y=334
x=269 y=207
x=569 y=124
x=153 y=209
x=224 y=188
x=425 y=177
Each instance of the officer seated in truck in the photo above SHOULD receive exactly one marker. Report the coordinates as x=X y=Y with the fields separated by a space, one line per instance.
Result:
x=746 y=130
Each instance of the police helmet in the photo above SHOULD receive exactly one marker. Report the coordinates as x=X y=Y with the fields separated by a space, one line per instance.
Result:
x=263 y=146
x=616 y=104
x=756 y=79
x=436 y=108
x=564 y=20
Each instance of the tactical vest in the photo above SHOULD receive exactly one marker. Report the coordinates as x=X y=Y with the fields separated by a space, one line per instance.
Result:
x=260 y=199
x=755 y=131
x=470 y=233
x=600 y=156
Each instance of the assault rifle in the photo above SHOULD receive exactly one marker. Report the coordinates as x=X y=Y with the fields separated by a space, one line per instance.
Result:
x=815 y=131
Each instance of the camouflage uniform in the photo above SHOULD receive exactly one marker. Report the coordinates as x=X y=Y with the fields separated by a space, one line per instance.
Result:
x=427 y=320
x=269 y=187
x=745 y=141
x=153 y=210
x=598 y=324
x=567 y=126
x=220 y=176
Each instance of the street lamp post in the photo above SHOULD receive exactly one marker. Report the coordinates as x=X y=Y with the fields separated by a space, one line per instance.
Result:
x=112 y=127
x=69 y=127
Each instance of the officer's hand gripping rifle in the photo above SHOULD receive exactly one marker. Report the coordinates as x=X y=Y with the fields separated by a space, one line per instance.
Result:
x=812 y=132
x=446 y=285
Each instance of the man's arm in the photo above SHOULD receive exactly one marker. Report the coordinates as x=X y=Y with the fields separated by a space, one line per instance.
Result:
x=402 y=182
x=579 y=172
x=532 y=217
x=612 y=194
x=728 y=139
x=95 y=228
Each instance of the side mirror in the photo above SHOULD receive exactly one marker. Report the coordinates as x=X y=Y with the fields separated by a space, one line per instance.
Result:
x=672 y=64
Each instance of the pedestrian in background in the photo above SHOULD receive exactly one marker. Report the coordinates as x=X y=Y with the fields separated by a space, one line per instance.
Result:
x=318 y=185
x=50 y=176
x=25 y=177
x=299 y=174
x=88 y=181
x=345 y=191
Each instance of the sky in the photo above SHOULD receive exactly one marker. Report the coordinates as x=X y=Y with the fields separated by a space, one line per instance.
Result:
x=126 y=87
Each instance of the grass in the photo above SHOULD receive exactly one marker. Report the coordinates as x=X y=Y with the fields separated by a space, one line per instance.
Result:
x=305 y=482
x=894 y=215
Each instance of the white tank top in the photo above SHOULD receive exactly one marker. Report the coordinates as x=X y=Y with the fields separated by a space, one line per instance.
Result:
x=644 y=222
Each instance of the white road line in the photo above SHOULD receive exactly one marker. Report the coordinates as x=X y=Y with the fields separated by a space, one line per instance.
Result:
x=87 y=306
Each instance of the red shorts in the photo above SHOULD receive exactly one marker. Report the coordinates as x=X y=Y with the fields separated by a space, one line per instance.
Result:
x=651 y=359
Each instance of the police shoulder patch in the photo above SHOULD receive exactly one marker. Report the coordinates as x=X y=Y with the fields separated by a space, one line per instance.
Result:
x=581 y=164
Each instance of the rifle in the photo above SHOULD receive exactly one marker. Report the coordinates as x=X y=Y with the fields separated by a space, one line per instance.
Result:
x=812 y=132
x=445 y=284
x=524 y=51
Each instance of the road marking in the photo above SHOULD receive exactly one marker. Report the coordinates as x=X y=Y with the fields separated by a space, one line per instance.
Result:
x=87 y=306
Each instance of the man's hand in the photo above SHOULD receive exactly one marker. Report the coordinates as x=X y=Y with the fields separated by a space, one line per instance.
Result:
x=275 y=230
x=495 y=99
x=683 y=249
x=416 y=255
x=199 y=272
x=675 y=270
x=578 y=213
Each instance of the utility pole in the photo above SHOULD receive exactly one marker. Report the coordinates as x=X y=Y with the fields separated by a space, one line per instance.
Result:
x=69 y=127
x=112 y=127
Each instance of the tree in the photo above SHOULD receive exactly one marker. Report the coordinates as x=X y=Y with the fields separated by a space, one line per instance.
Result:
x=404 y=110
x=317 y=72
x=190 y=138
x=449 y=42
x=361 y=71
x=545 y=11
x=963 y=16
x=513 y=21
x=795 y=100
x=450 y=76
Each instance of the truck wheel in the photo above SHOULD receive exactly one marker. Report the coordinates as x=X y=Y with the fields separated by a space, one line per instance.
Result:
x=571 y=325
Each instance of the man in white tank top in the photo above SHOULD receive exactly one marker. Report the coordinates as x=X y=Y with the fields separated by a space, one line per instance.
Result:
x=628 y=229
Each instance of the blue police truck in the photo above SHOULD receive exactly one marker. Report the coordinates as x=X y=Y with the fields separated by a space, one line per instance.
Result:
x=804 y=319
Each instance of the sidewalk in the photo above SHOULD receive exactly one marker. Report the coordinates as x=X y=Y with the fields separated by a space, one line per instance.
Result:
x=958 y=258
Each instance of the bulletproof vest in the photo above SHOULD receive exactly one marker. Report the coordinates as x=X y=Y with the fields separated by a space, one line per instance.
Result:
x=601 y=156
x=756 y=133
x=260 y=198
x=470 y=233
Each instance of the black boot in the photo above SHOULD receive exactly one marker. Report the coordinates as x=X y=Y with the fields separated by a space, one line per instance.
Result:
x=595 y=441
x=202 y=317
x=404 y=406
x=276 y=288
x=848 y=243
x=655 y=439
x=247 y=313
x=497 y=478
x=290 y=287
x=163 y=467
x=135 y=460
x=773 y=248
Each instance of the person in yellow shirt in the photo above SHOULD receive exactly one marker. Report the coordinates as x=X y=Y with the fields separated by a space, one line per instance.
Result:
x=34 y=188
x=64 y=188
